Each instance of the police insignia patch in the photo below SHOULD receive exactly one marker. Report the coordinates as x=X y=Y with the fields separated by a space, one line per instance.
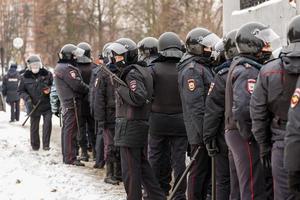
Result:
x=251 y=85
x=73 y=74
x=132 y=85
x=211 y=87
x=295 y=98
x=191 y=84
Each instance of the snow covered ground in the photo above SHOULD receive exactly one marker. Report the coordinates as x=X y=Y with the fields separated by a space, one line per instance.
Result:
x=40 y=175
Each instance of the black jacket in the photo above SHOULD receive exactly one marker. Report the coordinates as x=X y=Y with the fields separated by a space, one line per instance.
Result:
x=92 y=88
x=240 y=85
x=86 y=74
x=133 y=104
x=104 y=102
x=292 y=137
x=271 y=99
x=32 y=89
x=69 y=84
x=10 y=85
x=194 y=78
x=215 y=107
x=166 y=114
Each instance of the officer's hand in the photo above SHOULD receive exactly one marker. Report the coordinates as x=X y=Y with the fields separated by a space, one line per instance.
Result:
x=212 y=148
x=294 y=182
x=265 y=155
x=46 y=90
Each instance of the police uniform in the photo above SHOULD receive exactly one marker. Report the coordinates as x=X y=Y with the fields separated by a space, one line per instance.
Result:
x=10 y=89
x=36 y=88
x=240 y=83
x=167 y=139
x=87 y=124
x=70 y=87
x=269 y=107
x=292 y=142
x=194 y=78
x=213 y=129
x=132 y=113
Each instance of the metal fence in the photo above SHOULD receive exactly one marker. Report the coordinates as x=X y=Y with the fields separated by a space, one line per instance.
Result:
x=249 y=3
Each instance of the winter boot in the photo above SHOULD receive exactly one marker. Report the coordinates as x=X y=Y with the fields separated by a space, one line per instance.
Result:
x=117 y=171
x=84 y=155
x=109 y=174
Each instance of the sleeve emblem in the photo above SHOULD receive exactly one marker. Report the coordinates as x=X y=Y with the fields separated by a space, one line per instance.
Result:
x=295 y=98
x=191 y=84
x=133 y=85
x=211 y=87
x=251 y=85
x=73 y=74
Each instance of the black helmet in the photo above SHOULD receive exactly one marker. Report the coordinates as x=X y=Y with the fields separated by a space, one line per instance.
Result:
x=252 y=37
x=218 y=53
x=230 y=44
x=34 y=63
x=198 y=39
x=183 y=48
x=70 y=52
x=86 y=58
x=293 y=33
x=293 y=36
x=169 y=45
x=131 y=53
x=147 y=47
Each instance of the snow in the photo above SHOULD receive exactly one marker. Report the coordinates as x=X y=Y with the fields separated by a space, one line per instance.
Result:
x=259 y=6
x=40 y=175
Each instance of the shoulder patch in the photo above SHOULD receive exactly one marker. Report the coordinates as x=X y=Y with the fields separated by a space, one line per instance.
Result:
x=295 y=98
x=247 y=65
x=73 y=74
x=251 y=85
x=96 y=82
x=133 y=85
x=191 y=84
x=211 y=87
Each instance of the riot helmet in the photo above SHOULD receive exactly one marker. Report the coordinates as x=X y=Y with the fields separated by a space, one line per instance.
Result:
x=255 y=39
x=70 y=52
x=293 y=36
x=169 y=45
x=230 y=44
x=147 y=47
x=86 y=58
x=200 y=41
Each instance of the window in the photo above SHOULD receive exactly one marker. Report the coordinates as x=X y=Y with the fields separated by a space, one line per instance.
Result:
x=249 y=3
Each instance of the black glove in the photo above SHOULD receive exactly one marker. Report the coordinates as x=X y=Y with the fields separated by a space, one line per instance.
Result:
x=212 y=148
x=265 y=154
x=294 y=182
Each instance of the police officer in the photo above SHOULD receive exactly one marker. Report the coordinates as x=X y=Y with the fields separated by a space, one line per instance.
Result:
x=70 y=87
x=106 y=109
x=213 y=129
x=10 y=89
x=34 y=88
x=252 y=44
x=269 y=107
x=194 y=78
x=147 y=50
x=86 y=120
x=132 y=112
x=167 y=139
x=291 y=154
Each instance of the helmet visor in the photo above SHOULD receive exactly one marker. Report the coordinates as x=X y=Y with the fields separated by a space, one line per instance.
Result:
x=266 y=35
x=35 y=65
x=219 y=47
x=210 y=40
x=78 y=52
x=117 y=48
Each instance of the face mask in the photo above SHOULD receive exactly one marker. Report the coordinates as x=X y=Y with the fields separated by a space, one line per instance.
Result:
x=265 y=56
x=35 y=67
x=120 y=65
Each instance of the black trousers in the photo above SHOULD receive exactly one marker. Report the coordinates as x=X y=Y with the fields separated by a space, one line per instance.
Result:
x=87 y=135
x=248 y=167
x=165 y=153
x=34 y=130
x=14 y=110
x=99 y=147
x=199 y=176
x=137 y=172
x=68 y=136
